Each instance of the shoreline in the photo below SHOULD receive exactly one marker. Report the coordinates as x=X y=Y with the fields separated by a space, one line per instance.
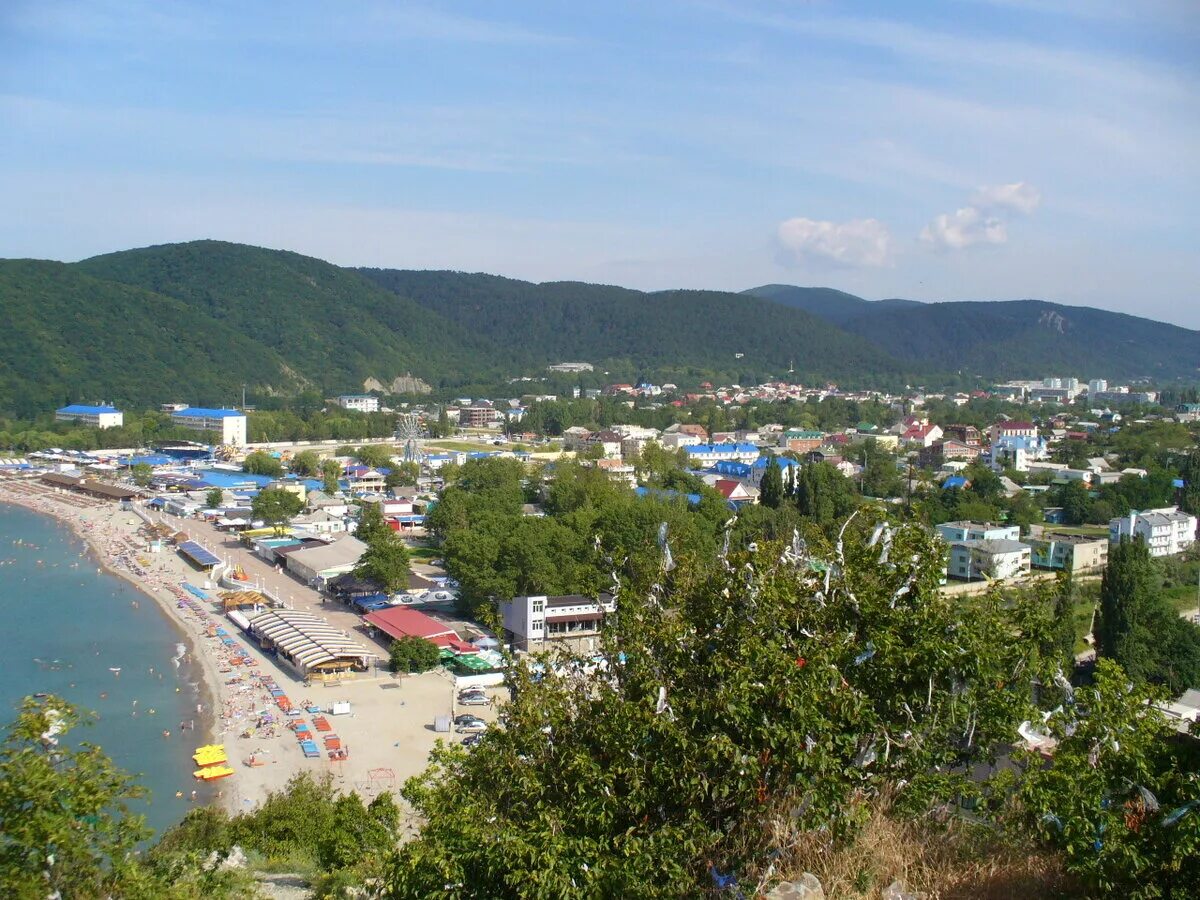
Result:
x=196 y=659
x=385 y=737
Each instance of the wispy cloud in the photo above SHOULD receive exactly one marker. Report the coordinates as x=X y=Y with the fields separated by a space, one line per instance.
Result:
x=1019 y=197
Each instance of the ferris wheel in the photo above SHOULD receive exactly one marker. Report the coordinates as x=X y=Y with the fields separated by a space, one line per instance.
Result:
x=410 y=432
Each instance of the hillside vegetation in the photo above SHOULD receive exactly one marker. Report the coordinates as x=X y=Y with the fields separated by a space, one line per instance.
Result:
x=198 y=321
x=612 y=325
x=1019 y=338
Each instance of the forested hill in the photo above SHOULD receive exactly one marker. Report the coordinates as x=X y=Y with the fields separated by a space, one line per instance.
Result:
x=195 y=322
x=666 y=331
x=1018 y=338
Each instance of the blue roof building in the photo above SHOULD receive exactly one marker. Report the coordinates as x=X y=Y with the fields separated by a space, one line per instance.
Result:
x=96 y=416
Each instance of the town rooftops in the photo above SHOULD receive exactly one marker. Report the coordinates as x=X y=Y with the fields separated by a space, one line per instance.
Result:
x=200 y=412
x=78 y=409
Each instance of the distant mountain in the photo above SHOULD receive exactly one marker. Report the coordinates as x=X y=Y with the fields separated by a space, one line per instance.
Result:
x=1017 y=338
x=831 y=305
x=741 y=337
x=197 y=321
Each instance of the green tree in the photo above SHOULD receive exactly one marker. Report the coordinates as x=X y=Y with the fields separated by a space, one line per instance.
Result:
x=275 y=507
x=385 y=561
x=823 y=494
x=377 y=456
x=1117 y=800
x=1190 y=496
x=67 y=828
x=403 y=475
x=260 y=462
x=306 y=464
x=770 y=489
x=1138 y=629
x=214 y=498
x=331 y=472
x=776 y=689
x=372 y=526
x=142 y=474
x=413 y=654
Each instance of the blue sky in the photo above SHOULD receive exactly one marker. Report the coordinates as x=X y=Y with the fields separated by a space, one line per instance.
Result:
x=978 y=149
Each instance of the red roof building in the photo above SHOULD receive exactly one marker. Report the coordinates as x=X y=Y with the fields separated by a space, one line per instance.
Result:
x=398 y=621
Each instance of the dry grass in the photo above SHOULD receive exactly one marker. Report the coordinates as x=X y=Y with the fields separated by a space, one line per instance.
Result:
x=952 y=861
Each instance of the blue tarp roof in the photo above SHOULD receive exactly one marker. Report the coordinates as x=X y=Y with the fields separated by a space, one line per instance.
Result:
x=150 y=459
x=954 y=481
x=78 y=409
x=230 y=479
x=200 y=411
x=198 y=554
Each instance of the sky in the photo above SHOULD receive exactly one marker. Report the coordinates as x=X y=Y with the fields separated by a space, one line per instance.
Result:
x=966 y=150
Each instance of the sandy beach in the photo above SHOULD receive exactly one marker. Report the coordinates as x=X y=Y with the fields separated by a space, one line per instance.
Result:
x=388 y=733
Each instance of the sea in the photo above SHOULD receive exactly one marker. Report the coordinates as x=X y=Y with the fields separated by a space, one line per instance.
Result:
x=68 y=628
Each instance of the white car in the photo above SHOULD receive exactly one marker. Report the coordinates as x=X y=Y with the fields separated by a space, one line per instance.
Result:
x=471 y=725
x=474 y=700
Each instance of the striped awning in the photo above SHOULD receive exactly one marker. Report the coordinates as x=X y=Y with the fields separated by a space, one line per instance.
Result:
x=307 y=639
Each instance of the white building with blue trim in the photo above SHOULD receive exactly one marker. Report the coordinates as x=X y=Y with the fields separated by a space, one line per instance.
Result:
x=96 y=416
x=230 y=424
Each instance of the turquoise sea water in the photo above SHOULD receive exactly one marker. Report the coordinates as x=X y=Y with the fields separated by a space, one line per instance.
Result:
x=65 y=625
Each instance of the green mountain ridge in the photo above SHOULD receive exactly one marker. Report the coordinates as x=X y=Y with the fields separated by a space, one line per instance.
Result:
x=668 y=330
x=1006 y=338
x=197 y=321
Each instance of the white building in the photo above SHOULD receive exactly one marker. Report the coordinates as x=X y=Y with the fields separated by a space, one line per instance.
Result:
x=96 y=416
x=531 y=622
x=994 y=559
x=704 y=455
x=1166 y=531
x=571 y=367
x=359 y=402
x=977 y=531
x=230 y=424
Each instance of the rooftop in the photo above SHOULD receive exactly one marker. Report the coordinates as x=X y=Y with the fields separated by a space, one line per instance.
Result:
x=78 y=409
x=200 y=412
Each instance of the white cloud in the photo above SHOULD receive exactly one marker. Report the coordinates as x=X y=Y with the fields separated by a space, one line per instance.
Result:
x=859 y=242
x=964 y=228
x=1020 y=197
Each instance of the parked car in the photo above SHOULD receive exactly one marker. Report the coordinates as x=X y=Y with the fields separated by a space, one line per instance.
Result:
x=471 y=692
x=374 y=605
x=475 y=700
x=469 y=723
x=472 y=739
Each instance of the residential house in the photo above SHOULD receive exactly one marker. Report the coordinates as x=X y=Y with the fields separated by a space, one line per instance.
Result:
x=966 y=434
x=992 y=559
x=618 y=470
x=608 y=441
x=1068 y=552
x=364 y=480
x=921 y=435
x=1166 y=531
x=575 y=437
x=737 y=493
x=530 y=623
